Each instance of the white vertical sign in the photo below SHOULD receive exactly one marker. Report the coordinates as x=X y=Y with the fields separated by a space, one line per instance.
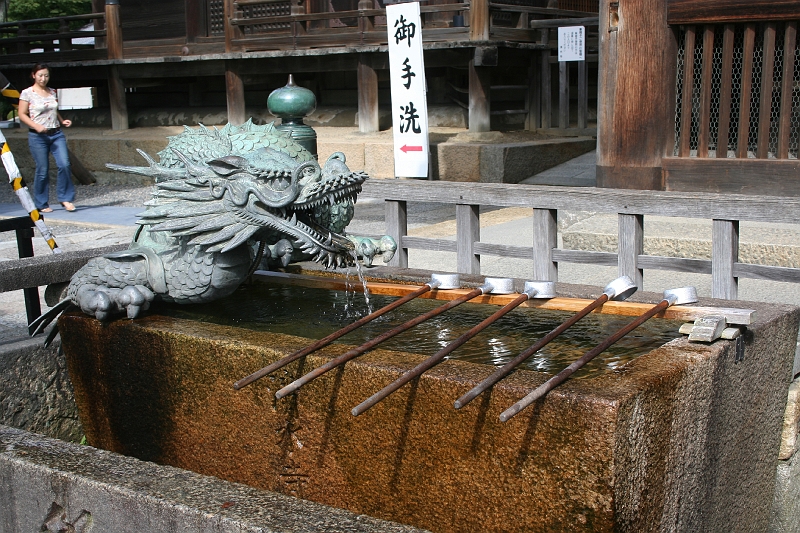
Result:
x=409 y=104
x=572 y=43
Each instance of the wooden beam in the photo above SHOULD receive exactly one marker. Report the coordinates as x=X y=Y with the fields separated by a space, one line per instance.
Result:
x=368 y=118
x=234 y=92
x=785 y=120
x=723 y=175
x=746 y=92
x=704 y=120
x=765 y=100
x=717 y=11
x=726 y=86
x=479 y=94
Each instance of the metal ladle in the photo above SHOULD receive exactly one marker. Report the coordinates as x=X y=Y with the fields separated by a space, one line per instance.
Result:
x=618 y=289
x=438 y=281
x=533 y=289
x=355 y=352
x=683 y=295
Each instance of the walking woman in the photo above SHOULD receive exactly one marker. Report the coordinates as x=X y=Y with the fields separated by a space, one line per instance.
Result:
x=38 y=109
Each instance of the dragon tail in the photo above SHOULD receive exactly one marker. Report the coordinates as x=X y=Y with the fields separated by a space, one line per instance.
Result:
x=47 y=317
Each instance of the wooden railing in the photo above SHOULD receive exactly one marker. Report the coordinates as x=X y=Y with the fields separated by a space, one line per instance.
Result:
x=54 y=36
x=300 y=27
x=631 y=206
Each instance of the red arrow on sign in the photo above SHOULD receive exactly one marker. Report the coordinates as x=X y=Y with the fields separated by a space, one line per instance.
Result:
x=407 y=148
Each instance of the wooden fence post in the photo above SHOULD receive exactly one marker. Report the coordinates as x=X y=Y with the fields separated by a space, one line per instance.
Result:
x=724 y=254
x=397 y=228
x=545 y=238
x=468 y=232
x=630 y=247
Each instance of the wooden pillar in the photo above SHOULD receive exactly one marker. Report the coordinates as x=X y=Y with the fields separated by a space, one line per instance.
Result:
x=117 y=102
x=234 y=91
x=479 y=20
x=563 y=95
x=231 y=32
x=113 y=30
x=479 y=108
x=533 y=119
x=636 y=82
x=98 y=6
x=367 y=96
x=196 y=20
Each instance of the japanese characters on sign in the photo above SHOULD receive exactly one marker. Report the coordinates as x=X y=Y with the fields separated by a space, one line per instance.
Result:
x=409 y=104
x=572 y=43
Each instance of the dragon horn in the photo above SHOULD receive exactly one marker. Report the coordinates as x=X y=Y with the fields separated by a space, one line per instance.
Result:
x=192 y=168
x=154 y=170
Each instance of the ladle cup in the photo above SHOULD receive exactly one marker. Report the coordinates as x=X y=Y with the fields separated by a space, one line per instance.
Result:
x=683 y=295
x=438 y=281
x=355 y=352
x=618 y=289
x=533 y=289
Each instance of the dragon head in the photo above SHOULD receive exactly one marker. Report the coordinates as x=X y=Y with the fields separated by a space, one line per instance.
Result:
x=266 y=192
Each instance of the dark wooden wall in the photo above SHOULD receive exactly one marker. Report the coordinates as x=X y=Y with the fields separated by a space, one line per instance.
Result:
x=152 y=19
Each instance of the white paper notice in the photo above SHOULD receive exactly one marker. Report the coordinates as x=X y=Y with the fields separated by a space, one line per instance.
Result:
x=572 y=43
x=409 y=105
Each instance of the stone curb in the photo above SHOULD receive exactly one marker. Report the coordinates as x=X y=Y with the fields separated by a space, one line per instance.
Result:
x=46 y=479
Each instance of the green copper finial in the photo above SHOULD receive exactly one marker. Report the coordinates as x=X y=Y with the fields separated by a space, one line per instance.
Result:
x=291 y=103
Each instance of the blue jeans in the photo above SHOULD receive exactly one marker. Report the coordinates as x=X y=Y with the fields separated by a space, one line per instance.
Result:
x=42 y=145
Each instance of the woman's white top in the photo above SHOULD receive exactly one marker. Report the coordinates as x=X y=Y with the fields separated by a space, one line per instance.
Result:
x=42 y=109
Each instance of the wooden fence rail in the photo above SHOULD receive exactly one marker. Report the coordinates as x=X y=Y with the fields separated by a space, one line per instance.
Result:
x=631 y=206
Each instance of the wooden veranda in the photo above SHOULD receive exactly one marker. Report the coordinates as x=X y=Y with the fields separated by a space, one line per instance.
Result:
x=473 y=49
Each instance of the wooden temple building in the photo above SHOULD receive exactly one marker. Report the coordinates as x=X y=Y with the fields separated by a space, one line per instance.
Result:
x=689 y=94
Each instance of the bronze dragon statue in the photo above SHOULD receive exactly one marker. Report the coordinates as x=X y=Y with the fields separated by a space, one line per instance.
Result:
x=222 y=199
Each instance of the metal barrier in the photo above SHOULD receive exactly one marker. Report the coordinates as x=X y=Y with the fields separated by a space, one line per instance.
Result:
x=23 y=226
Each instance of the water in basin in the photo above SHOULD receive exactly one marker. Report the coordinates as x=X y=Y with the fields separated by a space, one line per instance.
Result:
x=314 y=313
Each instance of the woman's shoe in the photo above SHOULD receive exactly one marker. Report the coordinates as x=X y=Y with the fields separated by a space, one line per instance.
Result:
x=46 y=210
x=68 y=206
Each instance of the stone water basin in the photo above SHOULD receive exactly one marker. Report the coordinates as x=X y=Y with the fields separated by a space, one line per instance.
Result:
x=684 y=437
